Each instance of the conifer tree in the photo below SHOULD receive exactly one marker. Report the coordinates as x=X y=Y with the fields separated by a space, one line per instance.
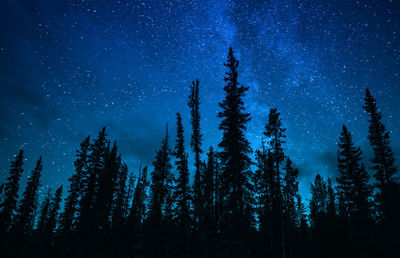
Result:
x=388 y=196
x=106 y=187
x=290 y=191
x=355 y=193
x=195 y=143
x=76 y=185
x=44 y=214
x=208 y=225
x=259 y=186
x=235 y=160
x=353 y=178
x=9 y=200
x=160 y=203
x=119 y=209
x=95 y=160
x=138 y=207
x=379 y=138
x=26 y=210
x=54 y=211
x=318 y=215
x=182 y=189
x=331 y=207
x=130 y=191
x=319 y=201
x=276 y=135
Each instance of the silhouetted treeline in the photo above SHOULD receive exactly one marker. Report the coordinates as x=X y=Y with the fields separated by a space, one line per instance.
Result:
x=236 y=205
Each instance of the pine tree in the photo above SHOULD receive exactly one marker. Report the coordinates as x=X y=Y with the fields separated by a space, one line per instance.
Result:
x=208 y=227
x=352 y=178
x=290 y=191
x=388 y=196
x=160 y=203
x=138 y=207
x=259 y=184
x=106 y=187
x=318 y=216
x=355 y=193
x=319 y=201
x=8 y=204
x=235 y=159
x=302 y=244
x=44 y=214
x=95 y=160
x=379 y=138
x=26 y=210
x=76 y=185
x=54 y=211
x=331 y=208
x=119 y=209
x=195 y=143
x=276 y=135
x=182 y=190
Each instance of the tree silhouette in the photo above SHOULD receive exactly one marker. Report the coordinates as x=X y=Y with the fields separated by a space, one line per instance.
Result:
x=54 y=212
x=208 y=225
x=236 y=206
x=290 y=191
x=388 y=196
x=182 y=189
x=354 y=190
x=195 y=143
x=76 y=185
x=276 y=135
x=26 y=211
x=235 y=159
x=10 y=195
x=160 y=203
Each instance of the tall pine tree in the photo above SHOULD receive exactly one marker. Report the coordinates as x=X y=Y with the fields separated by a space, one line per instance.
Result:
x=235 y=149
x=388 y=196
x=160 y=203
x=355 y=193
x=275 y=134
x=182 y=190
x=195 y=143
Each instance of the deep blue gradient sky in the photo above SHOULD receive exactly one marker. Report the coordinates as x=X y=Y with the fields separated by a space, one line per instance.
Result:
x=67 y=68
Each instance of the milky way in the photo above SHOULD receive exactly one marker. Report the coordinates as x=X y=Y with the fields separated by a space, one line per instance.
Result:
x=70 y=67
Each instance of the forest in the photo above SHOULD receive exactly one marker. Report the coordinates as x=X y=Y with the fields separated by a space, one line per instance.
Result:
x=234 y=206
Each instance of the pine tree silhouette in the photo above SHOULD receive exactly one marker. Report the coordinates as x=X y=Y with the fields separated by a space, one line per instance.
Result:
x=276 y=135
x=235 y=149
x=10 y=195
x=54 y=212
x=44 y=214
x=355 y=192
x=160 y=203
x=195 y=143
x=106 y=187
x=120 y=211
x=388 y=194
x=290 y=190
x=75 y=190
x=208 y=227
x=26 y=211
x=182 y=193
x=318 y=215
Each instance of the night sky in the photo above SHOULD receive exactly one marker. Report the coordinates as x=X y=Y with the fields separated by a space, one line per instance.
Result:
x=67 y=68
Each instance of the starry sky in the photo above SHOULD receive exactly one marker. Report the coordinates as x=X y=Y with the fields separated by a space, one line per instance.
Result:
x=68 y=68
